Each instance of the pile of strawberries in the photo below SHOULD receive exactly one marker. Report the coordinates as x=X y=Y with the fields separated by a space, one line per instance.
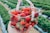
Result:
x=25 y=13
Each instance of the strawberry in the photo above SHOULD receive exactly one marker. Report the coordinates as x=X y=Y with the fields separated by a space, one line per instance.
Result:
x=28 y=19
x=18 y=11
x=14 y=19
x=23 y=14
x=13 y=23
x=27 y=25
x=27 y=13
x=22 y=23
x=26 y=9
x=32 y=24
x=36 y=15
x=14 y=13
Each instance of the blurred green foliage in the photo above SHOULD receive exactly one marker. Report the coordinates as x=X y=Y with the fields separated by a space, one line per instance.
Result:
x=4 y=14
x=45 y=4
x=46 y=12
x=13 y=1
x=11 y=5
x=44 y=23
x=42 y=3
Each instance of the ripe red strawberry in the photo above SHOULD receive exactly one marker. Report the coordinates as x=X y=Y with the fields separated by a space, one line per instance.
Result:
x=27 y=13
x=23 y=14
x=32 y=23
x=14 y=12
x=36 y=15
x=18 y=11
x=13 y=23
x=28 y=19
x=16 y=19
x=22 y=23
x=27 y=25
x=26 y=9
x=13 y=18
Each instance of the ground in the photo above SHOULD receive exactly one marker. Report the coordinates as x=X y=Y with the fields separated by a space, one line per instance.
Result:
x=0 y=30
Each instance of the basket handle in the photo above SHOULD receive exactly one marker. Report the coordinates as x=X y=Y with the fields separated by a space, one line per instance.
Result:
x=31 y=4
x=19 y=2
